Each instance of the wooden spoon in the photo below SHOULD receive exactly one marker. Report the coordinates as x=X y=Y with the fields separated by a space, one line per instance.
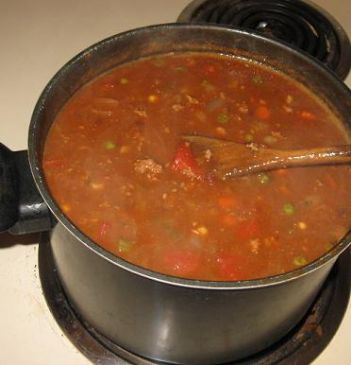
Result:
x=229 y=159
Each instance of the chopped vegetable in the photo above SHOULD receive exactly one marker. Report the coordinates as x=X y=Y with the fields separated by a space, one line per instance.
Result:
x=288 y=209
x=124 y=245
x=152 y=98
x=215 y=104
x=269 y=139
x=289 y=99
x=308 y=115
x=226 y=202
x=209 y=69
x=207 y=85
x=229 y=220
x=97 y=185
x=180 y=69
x=192 y=100
x=200 y=231
x=302 y=225
x=248 y=138
x=330 y=181
x=229 y=266
x=257 y=79
x=299 y=261
x=158 y=61
x=123 y=81
x=124 y=149
x=248 y=229
x=263 y=178
x=109 y=145
x=221 y=131
x=281 y=172
x=255 y=245
x=223 y=118
x=262 y=112
x=180 y=262
x=184 y=161
x=66 y=207
x=169 y=229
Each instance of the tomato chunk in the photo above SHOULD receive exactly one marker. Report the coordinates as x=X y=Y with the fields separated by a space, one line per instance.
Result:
x=248 y=229
x=230 y=267
x=180 y=263
x=185 y=162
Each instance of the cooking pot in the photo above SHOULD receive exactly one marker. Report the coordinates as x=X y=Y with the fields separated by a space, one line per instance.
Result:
x=153 y=315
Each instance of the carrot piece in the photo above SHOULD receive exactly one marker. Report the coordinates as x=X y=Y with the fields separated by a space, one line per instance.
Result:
x=308 y=115
x=247 y=230
x=262 y=112
x=209 y=69
x=330 y=181
x=283 y=189
x=226 y=202
x=281 y=172
x=66 y=207
x=180 y=263
x=229 y=220
x=229 y=266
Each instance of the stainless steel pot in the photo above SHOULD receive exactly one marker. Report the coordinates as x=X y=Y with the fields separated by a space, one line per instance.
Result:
x=157 y=316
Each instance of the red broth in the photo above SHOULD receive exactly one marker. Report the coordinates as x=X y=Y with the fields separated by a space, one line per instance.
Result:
x=115 y=163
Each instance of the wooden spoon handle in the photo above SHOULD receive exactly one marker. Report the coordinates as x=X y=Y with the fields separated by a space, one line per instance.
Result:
x=316 y=156
x=270 y=159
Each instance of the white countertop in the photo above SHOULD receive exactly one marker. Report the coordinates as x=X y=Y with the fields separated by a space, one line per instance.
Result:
x=37 y=38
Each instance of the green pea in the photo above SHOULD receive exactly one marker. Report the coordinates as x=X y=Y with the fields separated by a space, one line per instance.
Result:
x=180 y=68
x=207 y=85
x=124 y=245
x=109 y=145
x=123 y=81
x=248 y=138
x=288 y=209
x=257 y=79
x=158 y=62
x=299 y=261
x=263 y=178
x=223 y=118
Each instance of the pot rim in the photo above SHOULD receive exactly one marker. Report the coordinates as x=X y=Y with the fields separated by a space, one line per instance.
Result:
x=138 y=270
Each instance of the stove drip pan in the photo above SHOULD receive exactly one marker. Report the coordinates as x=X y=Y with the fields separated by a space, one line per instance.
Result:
x=300 y=24
x=301 y=346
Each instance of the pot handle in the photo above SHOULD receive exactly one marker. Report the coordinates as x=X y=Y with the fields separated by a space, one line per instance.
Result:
x=22 y=209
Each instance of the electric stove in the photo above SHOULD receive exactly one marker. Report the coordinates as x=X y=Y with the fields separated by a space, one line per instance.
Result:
x=38 y=325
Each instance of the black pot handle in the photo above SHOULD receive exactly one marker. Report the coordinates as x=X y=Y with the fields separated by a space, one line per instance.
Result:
x=22 y=209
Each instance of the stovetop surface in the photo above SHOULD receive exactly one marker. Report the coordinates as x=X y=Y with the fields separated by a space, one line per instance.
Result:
x=37 y=38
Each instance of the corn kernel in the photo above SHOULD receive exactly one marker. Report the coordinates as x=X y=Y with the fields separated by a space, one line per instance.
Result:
x=302 y=225
x=66 y=207
x=200 y=231
x=152 y=98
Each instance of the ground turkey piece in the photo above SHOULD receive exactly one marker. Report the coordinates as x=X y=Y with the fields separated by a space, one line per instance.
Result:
x=148 y=167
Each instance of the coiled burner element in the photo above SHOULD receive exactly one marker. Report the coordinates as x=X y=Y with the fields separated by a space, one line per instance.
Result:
x=300 y=24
